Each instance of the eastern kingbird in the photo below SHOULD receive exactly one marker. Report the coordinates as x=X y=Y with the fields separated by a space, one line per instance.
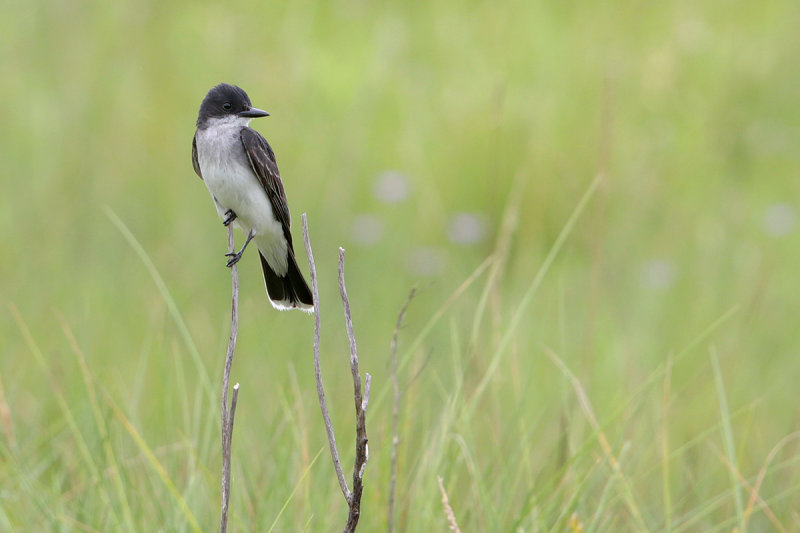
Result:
x=239 y=169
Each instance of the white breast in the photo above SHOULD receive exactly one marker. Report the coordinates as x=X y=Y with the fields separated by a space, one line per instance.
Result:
x=233 y=185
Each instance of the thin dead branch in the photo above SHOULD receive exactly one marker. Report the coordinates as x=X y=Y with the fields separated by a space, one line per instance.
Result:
x=361 y=401
x=362 y=450
x=323 y=404
x=228 y=413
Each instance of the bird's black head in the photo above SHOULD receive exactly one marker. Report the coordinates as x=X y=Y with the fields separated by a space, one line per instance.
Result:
x=227 y=101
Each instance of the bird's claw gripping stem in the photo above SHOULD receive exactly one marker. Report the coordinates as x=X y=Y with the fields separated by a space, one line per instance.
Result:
x=235 y=256
x=230 y=216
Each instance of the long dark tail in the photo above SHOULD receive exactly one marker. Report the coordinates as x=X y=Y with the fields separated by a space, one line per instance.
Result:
x=290 y=291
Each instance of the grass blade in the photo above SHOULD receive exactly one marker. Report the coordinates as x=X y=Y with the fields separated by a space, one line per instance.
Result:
x=157 y=466
x=101 y=425
x=727 y=433
x=530 y=292
x=83 y=447
x=202 y=372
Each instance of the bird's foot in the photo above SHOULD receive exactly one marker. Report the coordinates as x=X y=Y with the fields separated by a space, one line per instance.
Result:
x=230 y=216
x=234 y=258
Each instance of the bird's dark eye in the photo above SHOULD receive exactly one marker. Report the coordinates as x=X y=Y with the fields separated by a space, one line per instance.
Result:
x=226 y=106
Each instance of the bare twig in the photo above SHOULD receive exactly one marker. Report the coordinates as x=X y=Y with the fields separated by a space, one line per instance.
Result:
x=232 y=414
x=229 y=412
x=396 y=408
x=448 y=510
x=361 y=402
x=362 y=450
x=317 y=370
x=367 y=386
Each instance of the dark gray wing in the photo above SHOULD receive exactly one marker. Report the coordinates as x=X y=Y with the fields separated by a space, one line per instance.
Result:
x=195 y=162
x=262 y=159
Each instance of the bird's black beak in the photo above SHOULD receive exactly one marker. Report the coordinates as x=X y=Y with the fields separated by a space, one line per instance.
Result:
x=253 y=112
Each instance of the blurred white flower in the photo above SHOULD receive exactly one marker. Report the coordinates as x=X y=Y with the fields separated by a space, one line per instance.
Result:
x=367 y=229
x=779 y=220
x=425 y=261
x=392 y=187
x=466 y=228
x=658 y=274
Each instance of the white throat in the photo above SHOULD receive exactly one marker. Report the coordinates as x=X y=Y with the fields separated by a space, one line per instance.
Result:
x=228 y=121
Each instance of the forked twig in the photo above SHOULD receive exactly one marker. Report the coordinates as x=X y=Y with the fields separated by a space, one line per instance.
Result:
x=362 y=450
x=228 y=413
x=361 y=401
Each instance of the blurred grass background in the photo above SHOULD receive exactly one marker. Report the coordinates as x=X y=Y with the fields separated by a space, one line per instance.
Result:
x=685 y=254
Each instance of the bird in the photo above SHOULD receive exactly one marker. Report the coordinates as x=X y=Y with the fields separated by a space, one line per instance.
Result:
x=239 y=169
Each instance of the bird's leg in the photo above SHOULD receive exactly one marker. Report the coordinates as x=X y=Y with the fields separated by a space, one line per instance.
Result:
x=235 y=256
x=230 y=216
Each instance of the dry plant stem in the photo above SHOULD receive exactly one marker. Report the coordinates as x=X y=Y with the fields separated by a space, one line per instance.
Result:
x=317 y=370
x=448 y=510
x=760 y=479
x=396 y=408
x=229 y=413
x=362 y=452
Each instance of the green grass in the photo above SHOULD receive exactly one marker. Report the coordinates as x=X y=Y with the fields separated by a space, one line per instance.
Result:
x=620 y=352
